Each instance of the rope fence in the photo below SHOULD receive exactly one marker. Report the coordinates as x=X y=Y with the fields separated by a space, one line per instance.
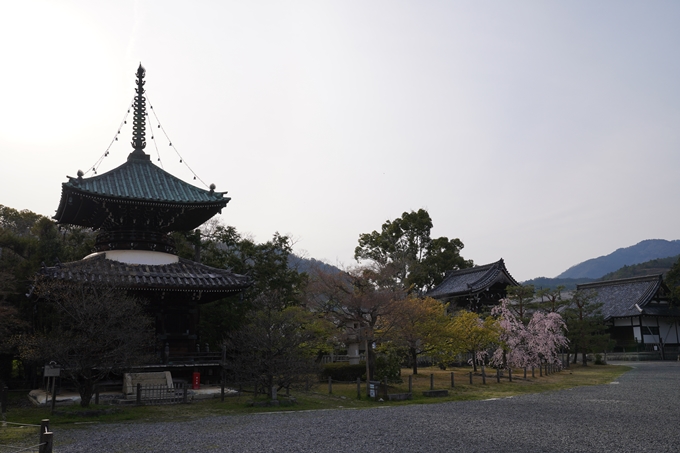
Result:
x=45 y=440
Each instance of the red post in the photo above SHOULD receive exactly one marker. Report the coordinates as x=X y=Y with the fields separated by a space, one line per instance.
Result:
x=196 y=381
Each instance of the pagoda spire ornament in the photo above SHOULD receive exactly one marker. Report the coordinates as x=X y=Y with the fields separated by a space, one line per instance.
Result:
x=139 y=119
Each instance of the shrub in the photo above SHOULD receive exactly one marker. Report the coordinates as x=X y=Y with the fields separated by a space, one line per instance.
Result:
x=343 y=371
x=388 y=363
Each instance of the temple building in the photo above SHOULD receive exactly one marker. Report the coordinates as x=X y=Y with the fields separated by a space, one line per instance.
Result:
x=475 y=288
x=639 y=314
x=134 y=208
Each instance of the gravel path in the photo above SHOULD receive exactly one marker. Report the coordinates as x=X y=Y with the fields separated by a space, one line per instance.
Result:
x=640 y=413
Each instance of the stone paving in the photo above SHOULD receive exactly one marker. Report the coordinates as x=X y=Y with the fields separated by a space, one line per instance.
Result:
x=638 y=413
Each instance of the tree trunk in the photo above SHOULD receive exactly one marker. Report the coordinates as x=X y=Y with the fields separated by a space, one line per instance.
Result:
x=270 y=384
x=86 y=390
x=414 y=358
x=370 y=356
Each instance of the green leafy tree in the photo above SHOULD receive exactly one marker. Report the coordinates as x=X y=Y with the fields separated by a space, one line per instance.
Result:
x=586 y=330
x=474 y=335
x=551 y=299
x=672 y=279
x=521 y=301
x=408 y=254
x=420 y=325
x=267 y=263
x=278 y=344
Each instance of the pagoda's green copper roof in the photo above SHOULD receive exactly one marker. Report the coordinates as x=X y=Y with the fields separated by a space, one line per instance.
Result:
x=139 y=179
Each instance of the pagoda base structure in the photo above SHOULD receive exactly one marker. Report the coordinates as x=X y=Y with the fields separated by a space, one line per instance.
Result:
x=173 y=288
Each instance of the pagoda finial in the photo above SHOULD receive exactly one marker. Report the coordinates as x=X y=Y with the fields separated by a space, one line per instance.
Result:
x=139 y=122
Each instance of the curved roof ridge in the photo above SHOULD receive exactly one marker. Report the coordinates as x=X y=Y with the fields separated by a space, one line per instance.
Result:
x=621 y=281
x=142 y=180
x=473 y=269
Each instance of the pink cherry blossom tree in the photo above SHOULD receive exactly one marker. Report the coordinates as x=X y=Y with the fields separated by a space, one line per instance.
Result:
x=533 y=344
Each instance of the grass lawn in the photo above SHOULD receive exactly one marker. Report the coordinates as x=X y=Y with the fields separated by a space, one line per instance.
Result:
x=344 y=396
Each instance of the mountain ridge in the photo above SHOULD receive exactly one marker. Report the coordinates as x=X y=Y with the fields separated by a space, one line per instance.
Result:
x=643 y=251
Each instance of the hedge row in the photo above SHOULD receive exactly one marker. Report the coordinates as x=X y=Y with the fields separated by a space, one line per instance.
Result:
x=343 y=371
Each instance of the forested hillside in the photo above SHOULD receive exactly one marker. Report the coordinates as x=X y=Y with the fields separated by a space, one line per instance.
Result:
x=658 y=266
x=644 y=251
x=552 y=283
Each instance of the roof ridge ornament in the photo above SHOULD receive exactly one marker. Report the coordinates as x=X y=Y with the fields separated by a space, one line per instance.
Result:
x=139 y=119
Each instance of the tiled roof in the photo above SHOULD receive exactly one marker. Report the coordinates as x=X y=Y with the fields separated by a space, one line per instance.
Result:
x=185 y=275
x=139 y=179
x=473 y=280
x=619 y=297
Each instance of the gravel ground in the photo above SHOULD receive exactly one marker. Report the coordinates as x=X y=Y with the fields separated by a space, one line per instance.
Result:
x=640 y=413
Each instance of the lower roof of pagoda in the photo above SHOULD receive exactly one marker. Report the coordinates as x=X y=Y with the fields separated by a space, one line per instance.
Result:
x=162 y=272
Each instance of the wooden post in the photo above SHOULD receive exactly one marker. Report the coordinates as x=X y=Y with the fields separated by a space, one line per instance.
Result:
x=54 y=397
x=452 y=384
x=510 y=374
x=46 y=440
x=358 y=388
x=410 y=383
x=3 y=402
x=222 y=387
x=532 y=372
x=431 y=381
x=498 y=375
x=330 y=385
x=139 y=394
x=42 y=439
x=44 y=427
x=470 y=377
x=525 y=372
x=483 y=375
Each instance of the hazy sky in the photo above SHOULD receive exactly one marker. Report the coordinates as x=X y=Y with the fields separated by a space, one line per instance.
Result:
x=542 y=132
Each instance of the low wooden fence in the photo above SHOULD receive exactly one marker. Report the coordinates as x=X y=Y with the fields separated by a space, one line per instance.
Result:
x=161 y=394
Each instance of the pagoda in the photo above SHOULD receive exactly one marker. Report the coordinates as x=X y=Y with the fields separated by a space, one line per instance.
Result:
x=134 y=208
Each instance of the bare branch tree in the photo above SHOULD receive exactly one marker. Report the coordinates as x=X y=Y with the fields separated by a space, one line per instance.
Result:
x=95 y=331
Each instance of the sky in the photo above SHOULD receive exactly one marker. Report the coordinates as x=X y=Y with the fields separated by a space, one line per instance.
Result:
x=541 y=132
